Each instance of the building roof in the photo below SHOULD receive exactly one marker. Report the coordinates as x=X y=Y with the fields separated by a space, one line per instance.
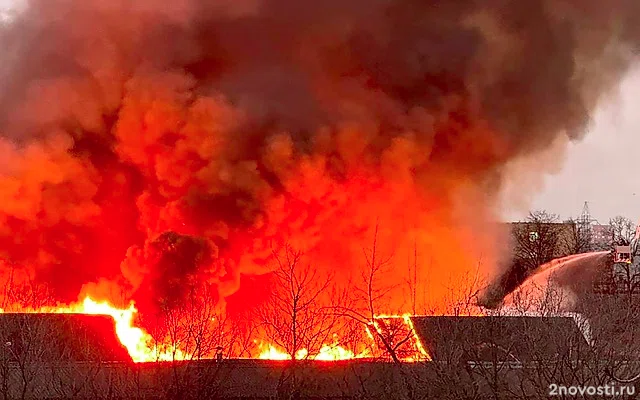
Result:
x=60 y=337
x=500 y=338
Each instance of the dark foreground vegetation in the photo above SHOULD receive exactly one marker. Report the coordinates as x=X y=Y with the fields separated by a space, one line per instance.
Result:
x=500 y=356
x=254 y=379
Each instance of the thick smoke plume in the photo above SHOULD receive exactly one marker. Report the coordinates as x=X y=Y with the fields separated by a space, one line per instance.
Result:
x=155 y=147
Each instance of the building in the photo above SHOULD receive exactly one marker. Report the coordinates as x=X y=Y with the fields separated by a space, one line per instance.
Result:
x=66 y=338
x=602 y=236
x=516 y=340
x=554 y=239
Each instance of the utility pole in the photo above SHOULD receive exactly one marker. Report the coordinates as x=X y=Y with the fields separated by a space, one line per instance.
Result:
x=585 y=223
x=585 y=217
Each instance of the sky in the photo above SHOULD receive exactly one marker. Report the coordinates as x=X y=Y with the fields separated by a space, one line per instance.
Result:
x=601 y=169
x=5 y=4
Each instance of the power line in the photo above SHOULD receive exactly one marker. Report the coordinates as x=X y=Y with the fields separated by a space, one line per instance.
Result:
x=585 y=218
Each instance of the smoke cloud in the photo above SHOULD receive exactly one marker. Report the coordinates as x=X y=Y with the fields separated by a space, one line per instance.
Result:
x=156 y=146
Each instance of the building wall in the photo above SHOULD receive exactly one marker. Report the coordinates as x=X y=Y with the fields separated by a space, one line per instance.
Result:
x=564 y=231
x=602 y=236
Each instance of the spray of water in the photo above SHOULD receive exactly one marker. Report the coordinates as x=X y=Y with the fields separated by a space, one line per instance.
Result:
x=555 y=286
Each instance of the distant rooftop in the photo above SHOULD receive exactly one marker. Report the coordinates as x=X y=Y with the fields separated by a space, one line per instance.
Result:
x=509 y=338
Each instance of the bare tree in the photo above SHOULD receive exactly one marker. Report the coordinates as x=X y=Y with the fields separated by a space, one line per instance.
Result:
x=56 y=355
x=298 y=317
x=622 y=230
x=371 y=294
x=195 y=328
x=44 y=354
x=601 y=347
x=579 y=237
x=20 y=292
x=464 y=297
x=392 y=336
x=537 y=240
x=625 y=279
x=198 y=329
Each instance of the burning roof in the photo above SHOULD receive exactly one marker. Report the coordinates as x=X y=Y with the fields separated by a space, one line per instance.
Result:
x=154 y=151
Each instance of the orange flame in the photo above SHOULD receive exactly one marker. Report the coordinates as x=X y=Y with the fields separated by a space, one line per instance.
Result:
x=273 y=353
x=326 y=353
x=422 y=352
x=336 y=352
x=138 y=343
x=419 y=352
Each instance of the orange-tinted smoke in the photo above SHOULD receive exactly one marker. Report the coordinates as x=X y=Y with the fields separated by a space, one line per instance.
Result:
x=134 y=131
